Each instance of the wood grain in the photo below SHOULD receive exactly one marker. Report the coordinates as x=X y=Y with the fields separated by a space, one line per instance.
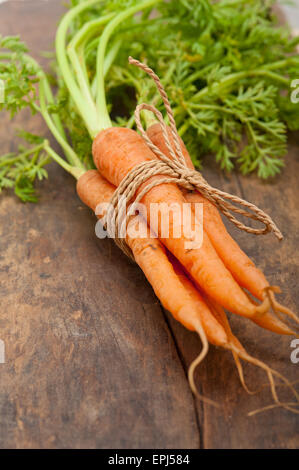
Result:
x=91 y=358
x=217 y=377
x=90 y=361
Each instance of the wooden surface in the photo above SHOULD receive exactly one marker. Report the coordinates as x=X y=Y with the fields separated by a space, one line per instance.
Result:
x=92 y=360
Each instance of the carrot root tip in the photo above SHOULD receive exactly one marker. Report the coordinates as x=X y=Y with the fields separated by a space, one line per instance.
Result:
x=280 y=310
x=205 y=347
x=241 y=374
x=289 y=406
x=270 y=373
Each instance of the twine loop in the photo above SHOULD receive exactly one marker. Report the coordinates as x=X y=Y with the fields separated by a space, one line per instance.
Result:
x=173 y=170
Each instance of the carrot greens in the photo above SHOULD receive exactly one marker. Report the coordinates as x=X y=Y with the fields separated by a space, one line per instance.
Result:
x=227 y=66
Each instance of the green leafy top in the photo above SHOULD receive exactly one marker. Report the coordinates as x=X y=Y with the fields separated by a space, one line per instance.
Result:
x=227 y=68
x=226 y=65
x=19 y=75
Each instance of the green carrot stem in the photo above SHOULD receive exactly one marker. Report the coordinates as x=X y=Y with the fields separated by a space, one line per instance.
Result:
x=280 y=64
x=11 y=161
x=50 y=100
x=74 y=171
x=88 y=30
x=79 y=65
x=109 y=59
x=86 y=109
x=235 y=77
x=103 y=115
x=70 y=154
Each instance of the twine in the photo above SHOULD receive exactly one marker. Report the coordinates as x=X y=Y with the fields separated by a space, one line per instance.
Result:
x=174 y=170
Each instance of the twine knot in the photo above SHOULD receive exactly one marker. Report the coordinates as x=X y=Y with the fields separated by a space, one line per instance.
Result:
x=174 y=170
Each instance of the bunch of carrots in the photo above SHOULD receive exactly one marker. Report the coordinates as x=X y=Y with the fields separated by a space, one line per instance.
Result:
x=196 y=285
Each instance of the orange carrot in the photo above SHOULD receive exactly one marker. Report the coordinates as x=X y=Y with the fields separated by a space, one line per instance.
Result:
x=240 y=265
x=176 y=292
x=239 y=352
x=209 y=321
x=116 y=151
x=233 y=344
x=150 y=255
x=237 y=262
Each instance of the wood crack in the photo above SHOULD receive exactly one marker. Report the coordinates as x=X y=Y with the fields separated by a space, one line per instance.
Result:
x=198 y=405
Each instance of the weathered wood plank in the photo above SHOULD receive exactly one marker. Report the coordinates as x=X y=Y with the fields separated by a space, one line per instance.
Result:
x=230 y=427
x=77 y=374
x=90 y=361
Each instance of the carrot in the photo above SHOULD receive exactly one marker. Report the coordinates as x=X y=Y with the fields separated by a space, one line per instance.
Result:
x=209 y=321
x=177 y=294
x=237 y=262
x=116 y=151
x=150 y=255
x=174 y=291
x=239 y=352
x=233 y=344
x=156 y=136
x=240 y=265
